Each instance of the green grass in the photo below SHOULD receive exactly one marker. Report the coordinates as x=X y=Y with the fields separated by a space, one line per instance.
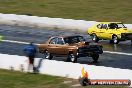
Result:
x=13 y=79
x=98 y=10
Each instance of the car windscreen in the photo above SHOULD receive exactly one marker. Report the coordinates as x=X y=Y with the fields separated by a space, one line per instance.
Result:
x=120 y=25
x=116 y=25
x=73 y=39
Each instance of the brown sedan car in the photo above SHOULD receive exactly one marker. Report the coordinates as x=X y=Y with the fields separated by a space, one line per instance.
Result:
x=72 y=47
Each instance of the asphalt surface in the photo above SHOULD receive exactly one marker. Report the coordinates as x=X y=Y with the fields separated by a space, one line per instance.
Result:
x=26 y=34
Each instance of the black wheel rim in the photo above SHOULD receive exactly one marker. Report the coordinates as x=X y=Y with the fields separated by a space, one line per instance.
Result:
x=47 y=55
x=115 y=39
x=94 y=37
x=72 y=57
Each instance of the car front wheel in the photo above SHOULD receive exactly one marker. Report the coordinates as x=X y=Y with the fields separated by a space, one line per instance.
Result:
x=95 y=57
x=48 y=55
x=94 y=38
x=72 y=58
x=115 y=39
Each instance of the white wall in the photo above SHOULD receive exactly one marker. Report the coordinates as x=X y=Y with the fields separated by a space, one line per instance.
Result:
x=65 y=69
x=46 y=22
x=13 y=61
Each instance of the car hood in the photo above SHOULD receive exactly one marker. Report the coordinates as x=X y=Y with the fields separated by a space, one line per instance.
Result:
x=80 y=44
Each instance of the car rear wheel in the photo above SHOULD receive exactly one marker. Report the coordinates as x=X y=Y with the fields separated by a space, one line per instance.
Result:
x=95 y=57
x=48 y=55
x=72 y=58
x=115 y=39
x=94 y=38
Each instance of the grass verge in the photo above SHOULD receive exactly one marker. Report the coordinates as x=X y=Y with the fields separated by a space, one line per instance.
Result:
x=98 y=10
x=13 y=79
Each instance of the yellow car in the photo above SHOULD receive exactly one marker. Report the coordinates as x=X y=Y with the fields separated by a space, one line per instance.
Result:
x=113 y=31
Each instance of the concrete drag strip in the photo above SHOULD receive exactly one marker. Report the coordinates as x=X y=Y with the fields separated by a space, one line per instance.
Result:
x=110 y=52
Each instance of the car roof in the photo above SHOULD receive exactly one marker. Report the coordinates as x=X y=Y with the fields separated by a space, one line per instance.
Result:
x=67 y=36
x=72 y=36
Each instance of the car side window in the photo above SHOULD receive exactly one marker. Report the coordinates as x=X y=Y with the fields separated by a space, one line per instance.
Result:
x=113 y=26
x=104 y=26
x=81 y=38
x=99 y=26
x=60 y=41
x=53 y=40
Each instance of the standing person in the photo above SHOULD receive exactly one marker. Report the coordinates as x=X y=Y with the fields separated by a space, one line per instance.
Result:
x=30 y=51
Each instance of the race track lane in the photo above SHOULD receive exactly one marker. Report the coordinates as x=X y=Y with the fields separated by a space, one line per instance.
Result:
x=26 y=34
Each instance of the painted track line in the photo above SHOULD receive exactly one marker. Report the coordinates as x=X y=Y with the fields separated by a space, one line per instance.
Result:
x=20 y=42
x=121 y=53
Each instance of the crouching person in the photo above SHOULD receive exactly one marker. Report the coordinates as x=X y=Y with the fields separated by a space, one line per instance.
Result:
x=30 y=51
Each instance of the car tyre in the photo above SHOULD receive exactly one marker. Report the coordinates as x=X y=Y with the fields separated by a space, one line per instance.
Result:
x=72 y=58
x=94 y=38
x=95 y=57
x=48 y=55
x=115 y=39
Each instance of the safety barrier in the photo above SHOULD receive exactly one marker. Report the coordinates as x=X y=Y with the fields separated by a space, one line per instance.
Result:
x=46 y=22
x=13 y=62
x=64 y=69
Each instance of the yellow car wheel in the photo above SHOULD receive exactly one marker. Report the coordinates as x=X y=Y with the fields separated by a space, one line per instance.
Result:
x=115 y=39
x=94 y=38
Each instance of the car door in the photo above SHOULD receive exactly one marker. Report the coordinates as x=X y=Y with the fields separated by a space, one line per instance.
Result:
x=104 y=31
x=97 y=30
x=52 y=45
x=112 y=30
x=61 y=47
x=101 y=30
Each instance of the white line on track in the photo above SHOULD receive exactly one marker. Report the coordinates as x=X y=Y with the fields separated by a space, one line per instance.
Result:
x=20 y=42
x=122 y=53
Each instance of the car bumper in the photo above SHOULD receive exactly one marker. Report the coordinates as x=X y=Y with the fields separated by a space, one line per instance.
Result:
x=89 y=50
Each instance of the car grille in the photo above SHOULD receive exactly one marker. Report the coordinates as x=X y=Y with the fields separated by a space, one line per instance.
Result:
x=91 y=48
